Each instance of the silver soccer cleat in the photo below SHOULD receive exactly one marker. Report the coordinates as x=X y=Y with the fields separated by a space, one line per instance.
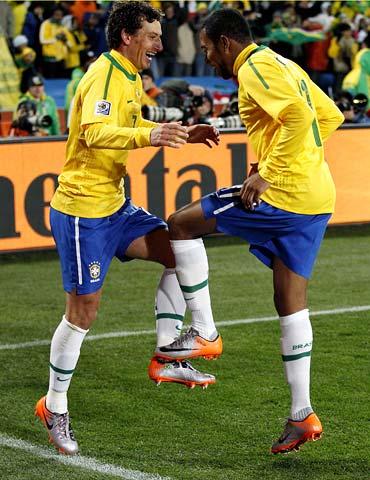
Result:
x=191 y=345
x=161 y=370
x=59 y=428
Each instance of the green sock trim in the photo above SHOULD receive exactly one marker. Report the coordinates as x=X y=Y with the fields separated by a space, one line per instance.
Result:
x=194 y=288
x=290 y=358
x=59 y=370
x=174 y=316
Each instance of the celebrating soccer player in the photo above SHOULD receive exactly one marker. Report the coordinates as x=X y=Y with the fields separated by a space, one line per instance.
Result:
x=92 y=221
x=281 y=209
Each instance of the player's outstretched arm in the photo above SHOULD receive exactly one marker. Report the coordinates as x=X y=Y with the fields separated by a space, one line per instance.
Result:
x=169 y=135
x=203 y=134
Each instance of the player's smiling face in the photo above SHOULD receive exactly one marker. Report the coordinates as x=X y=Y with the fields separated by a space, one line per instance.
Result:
x=215 y=56
x=145 y=44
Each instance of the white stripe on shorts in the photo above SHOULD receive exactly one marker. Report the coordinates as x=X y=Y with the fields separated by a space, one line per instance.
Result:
x=78 y=253
x=233 y=194
x=225 y=207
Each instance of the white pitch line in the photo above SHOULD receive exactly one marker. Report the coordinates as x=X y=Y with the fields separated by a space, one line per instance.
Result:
x=86 y=463
x=225 y=323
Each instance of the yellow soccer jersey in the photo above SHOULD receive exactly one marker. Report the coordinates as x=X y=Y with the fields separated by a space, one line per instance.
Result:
x=287 y=118
x=106 y=123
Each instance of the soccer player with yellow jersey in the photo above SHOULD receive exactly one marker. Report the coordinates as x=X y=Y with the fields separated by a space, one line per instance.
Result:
x=281 y=209
x=91 y=219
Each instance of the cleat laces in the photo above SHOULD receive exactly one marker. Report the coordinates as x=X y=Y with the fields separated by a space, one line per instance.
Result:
x=189 y=335
x=64 y=426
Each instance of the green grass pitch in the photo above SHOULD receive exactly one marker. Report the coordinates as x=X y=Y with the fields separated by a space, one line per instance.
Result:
x=224 y=433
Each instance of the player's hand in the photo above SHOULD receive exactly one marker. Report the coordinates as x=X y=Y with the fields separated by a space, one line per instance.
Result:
x=203 y=134
x=169 y=135
x=253 y=187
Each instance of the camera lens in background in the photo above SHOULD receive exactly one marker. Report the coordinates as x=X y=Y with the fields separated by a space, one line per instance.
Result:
x=360 y=102
x=197 y=101
x=45 y=121
x=233 y=121
x=162 y=114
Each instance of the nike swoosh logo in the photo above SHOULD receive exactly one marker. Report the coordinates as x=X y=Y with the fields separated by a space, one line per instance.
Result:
x=178 y=328
x=129 y=101
x=191 y=298
x=165 y=349
x=46 y=422
x=63 y=379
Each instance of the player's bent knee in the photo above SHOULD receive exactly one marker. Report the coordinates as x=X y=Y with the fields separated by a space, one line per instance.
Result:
x=179 y=227
x=175 y=226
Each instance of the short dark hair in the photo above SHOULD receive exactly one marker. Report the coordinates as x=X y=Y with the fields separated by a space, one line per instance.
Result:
x=128 y=16
x=228 y=22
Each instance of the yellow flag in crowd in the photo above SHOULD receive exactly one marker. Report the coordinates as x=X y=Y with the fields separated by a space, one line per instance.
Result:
x=9 y=78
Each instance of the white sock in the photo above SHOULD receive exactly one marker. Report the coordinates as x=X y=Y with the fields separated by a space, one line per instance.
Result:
x=296 y=344
x=64 y=354
x=192 y=273
x=170 y=308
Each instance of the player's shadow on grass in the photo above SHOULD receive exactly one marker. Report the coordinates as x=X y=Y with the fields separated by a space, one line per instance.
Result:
x=324 y=468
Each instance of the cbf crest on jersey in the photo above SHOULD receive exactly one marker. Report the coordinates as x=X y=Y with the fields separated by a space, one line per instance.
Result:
x=102 y=107
x=94 y=268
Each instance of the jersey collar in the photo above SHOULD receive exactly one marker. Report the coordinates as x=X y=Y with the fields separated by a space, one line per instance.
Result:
x=243 y=56
x=122 y=63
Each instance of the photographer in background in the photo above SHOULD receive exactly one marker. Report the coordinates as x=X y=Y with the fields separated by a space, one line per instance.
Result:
x=202 y=107
x=360 y=106
x=36 y=113
x=180 y=101
x=149 y=86
x=343 y=101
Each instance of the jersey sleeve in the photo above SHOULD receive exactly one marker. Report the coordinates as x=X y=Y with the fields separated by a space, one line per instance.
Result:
x=328 y=114
x=100 y=104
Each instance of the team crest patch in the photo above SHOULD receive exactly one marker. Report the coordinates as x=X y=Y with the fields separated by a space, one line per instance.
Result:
x=94 y=269
x=102 y=107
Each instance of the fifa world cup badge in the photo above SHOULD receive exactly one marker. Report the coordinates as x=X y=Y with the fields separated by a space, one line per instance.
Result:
x=102 y=107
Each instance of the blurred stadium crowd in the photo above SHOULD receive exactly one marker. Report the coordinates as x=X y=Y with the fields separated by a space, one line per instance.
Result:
x=59 y=40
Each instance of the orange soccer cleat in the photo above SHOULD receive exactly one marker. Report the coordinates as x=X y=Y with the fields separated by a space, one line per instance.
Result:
x=59 y=428
x=296 y=433
x=191 y=345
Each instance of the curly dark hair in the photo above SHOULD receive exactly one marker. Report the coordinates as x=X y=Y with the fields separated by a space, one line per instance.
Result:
x=128 y=16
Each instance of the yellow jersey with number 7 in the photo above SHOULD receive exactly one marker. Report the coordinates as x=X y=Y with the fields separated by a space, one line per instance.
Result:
x=287 y=118
x=106 y=123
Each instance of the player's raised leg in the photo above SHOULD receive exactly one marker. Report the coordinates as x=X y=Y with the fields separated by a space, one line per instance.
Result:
x=296 y=345
x=202 y=339
x=170 y=309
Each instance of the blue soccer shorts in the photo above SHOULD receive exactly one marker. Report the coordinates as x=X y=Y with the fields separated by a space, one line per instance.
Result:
x=86 y=246
x=292 y=237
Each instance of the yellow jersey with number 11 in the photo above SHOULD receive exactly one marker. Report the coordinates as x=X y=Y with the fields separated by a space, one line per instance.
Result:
x=287 y=118
x=106 y=124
